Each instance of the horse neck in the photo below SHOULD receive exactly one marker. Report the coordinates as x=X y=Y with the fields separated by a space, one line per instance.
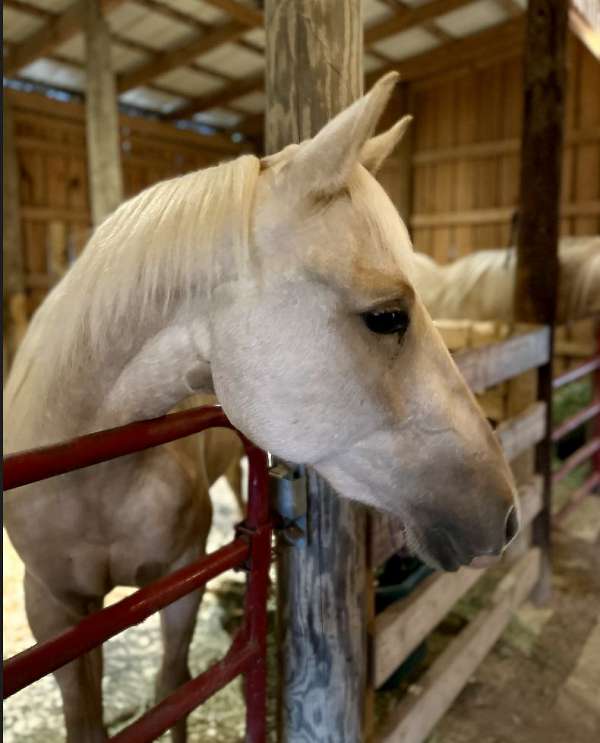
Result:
x=143 y=370
x=170 y=362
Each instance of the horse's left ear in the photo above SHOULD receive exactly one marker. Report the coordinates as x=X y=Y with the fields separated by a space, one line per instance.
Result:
x=325 y=162
x=377 y=149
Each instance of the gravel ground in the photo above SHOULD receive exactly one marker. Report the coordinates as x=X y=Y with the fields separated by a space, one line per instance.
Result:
x=132 y=658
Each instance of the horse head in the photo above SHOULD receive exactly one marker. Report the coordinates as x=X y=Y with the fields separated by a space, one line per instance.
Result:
x=323 y=353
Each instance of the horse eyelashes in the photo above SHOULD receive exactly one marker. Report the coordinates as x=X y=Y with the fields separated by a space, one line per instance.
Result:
x=387 y=322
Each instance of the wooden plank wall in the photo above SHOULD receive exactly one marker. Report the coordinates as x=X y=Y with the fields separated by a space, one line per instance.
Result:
x=466 y=155
x=53 y=189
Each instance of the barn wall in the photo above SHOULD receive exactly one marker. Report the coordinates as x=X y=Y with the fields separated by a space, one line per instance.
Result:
x=52 y=160
x=466 y=155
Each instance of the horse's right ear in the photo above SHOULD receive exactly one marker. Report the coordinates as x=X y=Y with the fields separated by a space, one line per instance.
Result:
x=377 y=149
x=325 y=162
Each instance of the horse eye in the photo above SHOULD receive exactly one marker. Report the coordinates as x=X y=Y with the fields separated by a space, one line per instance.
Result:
x=387 y=322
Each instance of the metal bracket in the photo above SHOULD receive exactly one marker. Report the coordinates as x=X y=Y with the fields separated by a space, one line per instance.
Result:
x=289 y=501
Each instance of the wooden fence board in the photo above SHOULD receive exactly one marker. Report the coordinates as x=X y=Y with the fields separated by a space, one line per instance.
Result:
x=483 y=106
x=416 y=716
x=401 y=627
x=523 y=431
x=486 y=366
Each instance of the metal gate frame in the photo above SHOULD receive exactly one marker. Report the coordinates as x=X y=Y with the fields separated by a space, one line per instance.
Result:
x=250 y=550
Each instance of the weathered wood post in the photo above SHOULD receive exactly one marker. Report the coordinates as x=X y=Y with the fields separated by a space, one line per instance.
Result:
x=101 y=116
x=314 y=70
x=537 y=248
x=13 y=287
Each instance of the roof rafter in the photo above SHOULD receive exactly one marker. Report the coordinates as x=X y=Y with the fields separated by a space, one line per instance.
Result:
x=56 y=31
x=182 y=55
x=25 y=7
x=403 y=20
x=410 y=17
x=463 y=51
x=252 y=17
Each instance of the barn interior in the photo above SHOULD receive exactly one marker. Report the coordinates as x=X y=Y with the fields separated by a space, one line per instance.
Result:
x=187 y=82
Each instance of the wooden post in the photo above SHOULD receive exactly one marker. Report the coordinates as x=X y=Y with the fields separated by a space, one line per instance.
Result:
x=537 y=247
x=102 y=117
x=314 y=70
x=13 y=288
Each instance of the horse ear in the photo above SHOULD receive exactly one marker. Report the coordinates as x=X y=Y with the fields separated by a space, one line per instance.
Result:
x=377 y=149
x=326 y=161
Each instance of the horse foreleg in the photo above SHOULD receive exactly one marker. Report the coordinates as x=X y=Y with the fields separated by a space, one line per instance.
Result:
x=177 y=625
x=80 y=681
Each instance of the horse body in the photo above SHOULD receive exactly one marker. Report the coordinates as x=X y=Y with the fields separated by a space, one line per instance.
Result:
x=283 y=287
x=480 y=286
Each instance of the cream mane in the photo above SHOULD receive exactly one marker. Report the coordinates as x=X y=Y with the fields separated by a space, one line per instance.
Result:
x=151 y=251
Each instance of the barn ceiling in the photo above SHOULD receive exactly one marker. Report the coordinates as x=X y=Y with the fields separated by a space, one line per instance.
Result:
x=203 y=60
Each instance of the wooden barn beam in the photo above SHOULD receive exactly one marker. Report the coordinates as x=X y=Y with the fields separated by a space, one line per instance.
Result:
x=536 y=281
x=253 y=125
x=25 y=7
x=252 y=17
x=220 y=97
x=56 y=31
x=177 y=15
x=101 y=116
x=182 y=55
x=322 y=580
x=410 y=17
x=467 y=50
x=13 y=285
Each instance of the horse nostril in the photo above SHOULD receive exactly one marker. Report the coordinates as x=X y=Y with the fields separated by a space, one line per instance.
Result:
x=511 y=525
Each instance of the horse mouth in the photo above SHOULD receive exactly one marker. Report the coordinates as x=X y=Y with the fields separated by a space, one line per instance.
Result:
x=438 y=549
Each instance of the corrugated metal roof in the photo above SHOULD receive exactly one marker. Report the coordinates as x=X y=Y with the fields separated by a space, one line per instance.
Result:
x=233 y=60
x=407 y=43
x=472 y=18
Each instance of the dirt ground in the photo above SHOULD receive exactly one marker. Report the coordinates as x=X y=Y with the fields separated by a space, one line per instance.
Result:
x=541 y=682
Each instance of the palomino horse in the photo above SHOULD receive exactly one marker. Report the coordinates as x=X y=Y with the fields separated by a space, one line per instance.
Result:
x=284 y=287
x=480 y=286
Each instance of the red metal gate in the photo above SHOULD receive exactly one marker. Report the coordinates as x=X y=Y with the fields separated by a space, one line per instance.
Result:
x=251 y=549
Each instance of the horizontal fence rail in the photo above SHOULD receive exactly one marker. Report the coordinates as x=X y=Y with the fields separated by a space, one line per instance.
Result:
x=251 y=550
x=572 y=375
x=590 y=451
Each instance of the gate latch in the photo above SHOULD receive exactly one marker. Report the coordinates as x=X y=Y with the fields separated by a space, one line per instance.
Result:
x=288 y=501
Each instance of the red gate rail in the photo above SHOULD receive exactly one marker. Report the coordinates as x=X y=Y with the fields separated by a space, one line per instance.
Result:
x=251 y=549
